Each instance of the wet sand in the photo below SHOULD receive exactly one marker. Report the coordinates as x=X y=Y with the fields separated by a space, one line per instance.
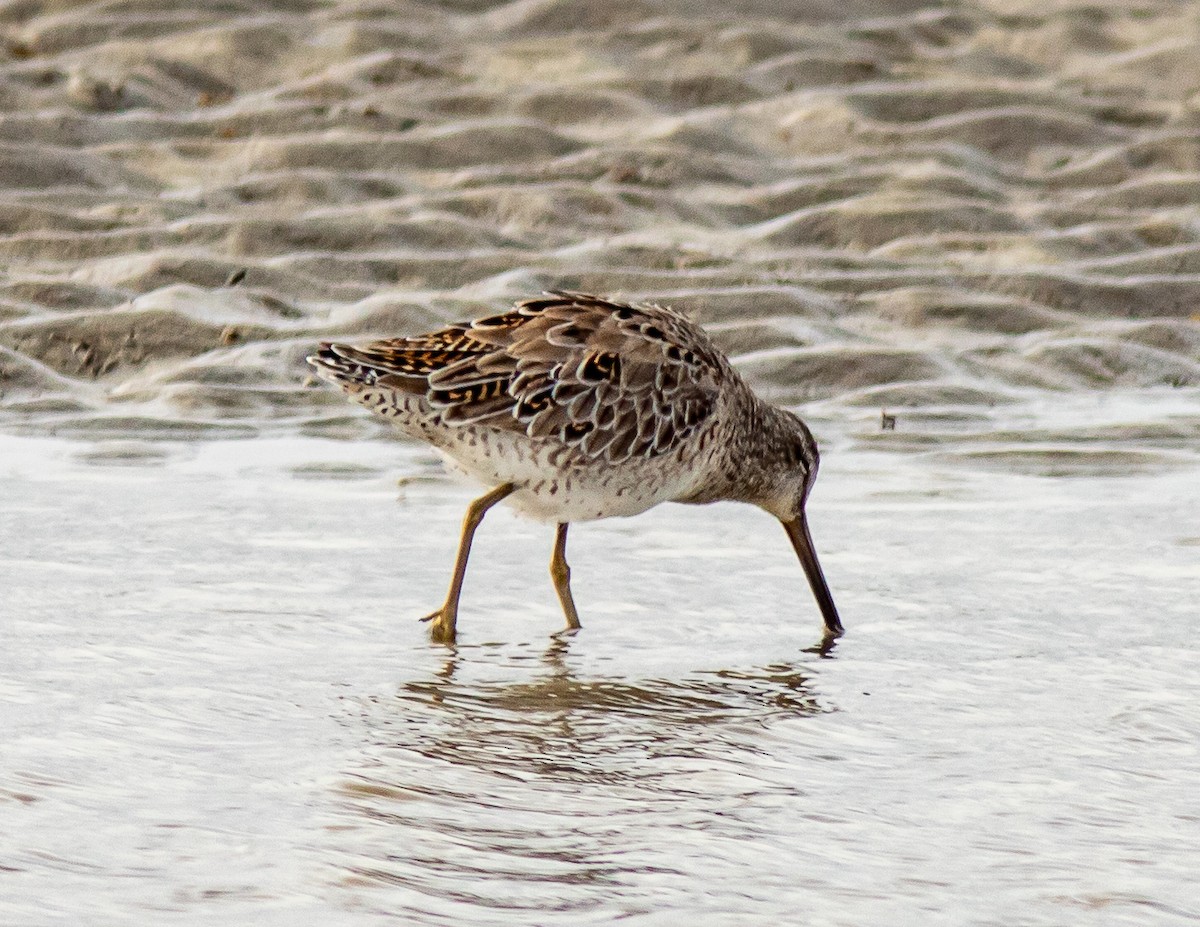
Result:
x=978 y=222
x=890 y=204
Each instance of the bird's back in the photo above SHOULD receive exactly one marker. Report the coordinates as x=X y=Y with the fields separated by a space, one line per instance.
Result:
x=565 y=389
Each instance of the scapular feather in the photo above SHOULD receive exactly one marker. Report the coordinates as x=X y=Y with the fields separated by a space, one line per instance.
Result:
x=610 y=380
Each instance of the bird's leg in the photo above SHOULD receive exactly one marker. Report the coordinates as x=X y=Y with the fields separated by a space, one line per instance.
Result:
x=560 y=572
x=445 y=618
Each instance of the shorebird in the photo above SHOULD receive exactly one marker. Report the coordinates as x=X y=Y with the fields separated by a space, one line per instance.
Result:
x=571 y=407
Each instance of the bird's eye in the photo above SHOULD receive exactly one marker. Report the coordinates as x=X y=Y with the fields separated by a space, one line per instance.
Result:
x=798 y=455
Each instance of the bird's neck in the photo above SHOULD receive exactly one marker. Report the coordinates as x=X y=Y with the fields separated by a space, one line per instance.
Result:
x=744 y=467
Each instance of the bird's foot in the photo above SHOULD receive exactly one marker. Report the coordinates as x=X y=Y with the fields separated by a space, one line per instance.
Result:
x=442 y=624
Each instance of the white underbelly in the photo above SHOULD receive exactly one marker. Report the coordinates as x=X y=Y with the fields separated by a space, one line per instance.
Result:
x=549 y=487
x=549 y=492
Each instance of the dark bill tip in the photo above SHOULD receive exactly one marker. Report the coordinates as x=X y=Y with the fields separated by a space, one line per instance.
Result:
x=802 y=540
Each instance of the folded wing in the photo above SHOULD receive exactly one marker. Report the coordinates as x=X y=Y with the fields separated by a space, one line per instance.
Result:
x=615 y=381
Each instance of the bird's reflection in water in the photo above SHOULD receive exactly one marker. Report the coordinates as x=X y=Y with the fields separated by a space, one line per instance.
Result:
x=509 y=777
x=558 y=723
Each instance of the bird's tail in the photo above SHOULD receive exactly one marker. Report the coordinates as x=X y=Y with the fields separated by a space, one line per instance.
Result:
x=337 y=364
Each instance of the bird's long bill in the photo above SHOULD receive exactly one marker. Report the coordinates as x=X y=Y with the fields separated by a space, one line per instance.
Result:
x=801 y=540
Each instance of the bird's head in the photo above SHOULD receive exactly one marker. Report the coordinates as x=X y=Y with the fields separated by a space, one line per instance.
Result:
x=792 y=468
x=793 y=472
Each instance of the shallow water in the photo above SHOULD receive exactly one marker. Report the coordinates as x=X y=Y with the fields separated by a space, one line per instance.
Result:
x=217 y=705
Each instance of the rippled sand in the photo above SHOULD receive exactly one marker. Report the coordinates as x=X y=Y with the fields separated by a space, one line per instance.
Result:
x=885 y=203
x=977 y=222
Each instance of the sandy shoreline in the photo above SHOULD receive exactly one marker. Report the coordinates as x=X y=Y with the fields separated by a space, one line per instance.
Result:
x=942 y=206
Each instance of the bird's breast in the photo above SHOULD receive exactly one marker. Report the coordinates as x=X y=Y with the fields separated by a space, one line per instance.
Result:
x=556 y=483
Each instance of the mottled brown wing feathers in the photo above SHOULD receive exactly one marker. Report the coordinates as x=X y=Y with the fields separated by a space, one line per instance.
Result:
x=615 y=381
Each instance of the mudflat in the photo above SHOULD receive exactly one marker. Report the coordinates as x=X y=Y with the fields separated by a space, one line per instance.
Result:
x=887 y=204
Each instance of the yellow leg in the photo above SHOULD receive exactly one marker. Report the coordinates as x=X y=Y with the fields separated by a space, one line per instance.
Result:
x=560 y=572
x=444 y=620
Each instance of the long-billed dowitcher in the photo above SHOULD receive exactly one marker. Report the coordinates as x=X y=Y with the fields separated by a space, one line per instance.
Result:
x=572 y=407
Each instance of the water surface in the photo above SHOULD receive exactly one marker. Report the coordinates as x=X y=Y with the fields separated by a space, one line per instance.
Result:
x=218 y=706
